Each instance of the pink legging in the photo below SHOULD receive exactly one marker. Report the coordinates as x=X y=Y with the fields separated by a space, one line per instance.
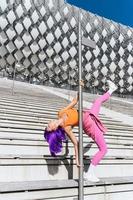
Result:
x=99 y=138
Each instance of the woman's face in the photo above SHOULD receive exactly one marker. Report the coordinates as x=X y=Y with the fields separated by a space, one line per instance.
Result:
x=52 y=125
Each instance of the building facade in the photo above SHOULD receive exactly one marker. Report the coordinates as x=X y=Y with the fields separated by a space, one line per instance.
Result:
x=39 y=44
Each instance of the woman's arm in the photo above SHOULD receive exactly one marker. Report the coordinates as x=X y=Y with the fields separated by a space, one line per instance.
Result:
x=75 y=143
x=75 y=100
x=72 y=104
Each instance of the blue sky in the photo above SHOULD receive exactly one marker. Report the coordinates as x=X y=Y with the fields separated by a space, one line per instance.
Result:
x=120 y=11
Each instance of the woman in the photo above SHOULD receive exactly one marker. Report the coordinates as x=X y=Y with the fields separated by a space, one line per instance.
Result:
x=56 y=129
x=93 y=127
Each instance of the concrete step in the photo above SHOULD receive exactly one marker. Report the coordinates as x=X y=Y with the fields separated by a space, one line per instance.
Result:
x=41 y=126
x=14 y=138
x=37 y=132
x=9 y=147
x=49 y=100
x=44 y=107
x=34 y=168
x=26 y=104
x=32 y=118
x=43 y=122
x=35 y=112
x=39 y=137
x=41 y=106
x=117 y=188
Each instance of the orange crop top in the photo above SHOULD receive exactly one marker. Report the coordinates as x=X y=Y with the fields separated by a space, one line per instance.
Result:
x=72 y=116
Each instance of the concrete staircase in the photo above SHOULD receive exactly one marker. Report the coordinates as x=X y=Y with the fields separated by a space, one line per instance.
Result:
x=27 y=169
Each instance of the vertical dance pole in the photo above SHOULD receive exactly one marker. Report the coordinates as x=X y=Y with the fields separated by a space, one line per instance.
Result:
x=81 y=183
x=92 y=44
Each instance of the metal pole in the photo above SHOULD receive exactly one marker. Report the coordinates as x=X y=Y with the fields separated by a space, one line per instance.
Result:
x=81 y=183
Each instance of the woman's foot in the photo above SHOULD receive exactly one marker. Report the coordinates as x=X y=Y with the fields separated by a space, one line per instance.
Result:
x=90 y=175
x=112 y=87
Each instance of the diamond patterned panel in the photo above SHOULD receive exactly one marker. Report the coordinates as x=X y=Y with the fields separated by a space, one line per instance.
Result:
x=44 y=41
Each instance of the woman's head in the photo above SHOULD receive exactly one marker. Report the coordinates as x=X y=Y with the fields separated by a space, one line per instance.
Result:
x=52 y=125
x=55 y=139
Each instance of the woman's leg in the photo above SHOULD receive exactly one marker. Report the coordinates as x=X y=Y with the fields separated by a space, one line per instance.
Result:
x=100 y=141
x=97 y=103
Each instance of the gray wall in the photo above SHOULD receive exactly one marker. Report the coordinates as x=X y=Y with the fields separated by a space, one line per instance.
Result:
x=40 y=38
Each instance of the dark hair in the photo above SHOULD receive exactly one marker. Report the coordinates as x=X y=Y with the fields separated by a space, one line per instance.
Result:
x=55 y=139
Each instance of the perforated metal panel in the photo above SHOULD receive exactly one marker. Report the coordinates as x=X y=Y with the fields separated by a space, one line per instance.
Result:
x=40 y=38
